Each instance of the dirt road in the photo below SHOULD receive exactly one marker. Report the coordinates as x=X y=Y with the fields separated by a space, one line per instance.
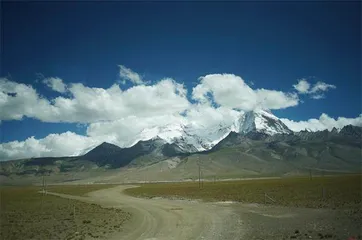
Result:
x=164 y=219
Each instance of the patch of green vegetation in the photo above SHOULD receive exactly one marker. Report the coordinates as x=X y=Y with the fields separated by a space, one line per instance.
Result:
x=78 y=190
x=27 y=214
x=318 y=192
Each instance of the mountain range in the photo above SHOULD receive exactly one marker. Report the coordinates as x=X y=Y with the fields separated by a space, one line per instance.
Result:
x=258 y=143
x=190 y=138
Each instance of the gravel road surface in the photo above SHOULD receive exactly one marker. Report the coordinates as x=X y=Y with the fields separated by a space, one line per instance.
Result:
x=166 y=219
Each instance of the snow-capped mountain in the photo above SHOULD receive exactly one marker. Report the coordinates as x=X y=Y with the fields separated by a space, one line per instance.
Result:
x=187 y=137
x=262 y=121
x=191 y=137
x=264 y=154
x=168 y=133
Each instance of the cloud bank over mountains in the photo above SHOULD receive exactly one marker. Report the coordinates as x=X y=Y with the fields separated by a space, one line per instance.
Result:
x=324 y=122
x=116 y=114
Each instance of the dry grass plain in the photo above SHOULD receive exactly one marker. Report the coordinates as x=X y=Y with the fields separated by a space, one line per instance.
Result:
x=342 y=191
x=78 y=190
x=27 y=214
x=301 y=210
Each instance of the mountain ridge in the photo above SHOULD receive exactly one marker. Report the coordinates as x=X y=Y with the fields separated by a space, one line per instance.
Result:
x=255 y=153
x=191 y=138
x=256 y=144
x=194 y=138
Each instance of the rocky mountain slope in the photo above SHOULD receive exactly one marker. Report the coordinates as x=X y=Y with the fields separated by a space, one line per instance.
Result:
x=325 y=149
x=111 y=156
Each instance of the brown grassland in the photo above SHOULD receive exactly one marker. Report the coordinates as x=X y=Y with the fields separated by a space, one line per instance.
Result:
x=78 y=190
x=339 y=191
x=27 y=214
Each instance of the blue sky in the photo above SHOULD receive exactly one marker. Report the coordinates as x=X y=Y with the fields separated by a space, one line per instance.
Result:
x=269 y=45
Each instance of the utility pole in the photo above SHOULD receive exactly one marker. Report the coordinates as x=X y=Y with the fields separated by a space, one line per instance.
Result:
x=43 y=190
x=202 y=180
x=199 y=176
x=42 y=194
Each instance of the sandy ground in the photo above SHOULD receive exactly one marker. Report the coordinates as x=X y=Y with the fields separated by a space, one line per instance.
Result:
x=165 y=219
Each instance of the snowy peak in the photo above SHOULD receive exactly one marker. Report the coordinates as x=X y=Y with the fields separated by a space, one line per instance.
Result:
x=262 y=121
x=192 y=137
x=167 y=132
x=187 y=137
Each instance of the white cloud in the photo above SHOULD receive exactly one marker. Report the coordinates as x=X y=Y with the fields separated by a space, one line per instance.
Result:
x=207 y=116
x=56 y=84
x=128 y=75
x=121 y=116
x=302 y=86
x=54 y=145
x=87 y=104
x=18 y=100
x=126 y=131
x=229 y=90
x=316 y=91
x=318 y=96
x=324 y=122
x=271 y=99
x=321 y=87
x=123 y=132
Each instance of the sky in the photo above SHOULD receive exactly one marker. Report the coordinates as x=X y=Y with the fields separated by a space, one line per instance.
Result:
x=79 y=72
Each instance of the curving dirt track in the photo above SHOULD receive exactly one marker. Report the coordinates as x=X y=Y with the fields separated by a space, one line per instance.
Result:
x=165 y=219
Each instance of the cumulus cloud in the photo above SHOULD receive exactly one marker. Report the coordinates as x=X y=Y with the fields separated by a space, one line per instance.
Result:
x=316 y=91
x=271 y=99
x=324 y=122
x=124 y=132
x=133 y=127
x=96 y=104
x=123 y=116
x=87 y=104
x=127 y=131
x=127 y=74
x=56 y=84
x=321 y=87
x=18 y=100
x=54 y=145
x=302 y=86
x=231 y=91
x=205 y=116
